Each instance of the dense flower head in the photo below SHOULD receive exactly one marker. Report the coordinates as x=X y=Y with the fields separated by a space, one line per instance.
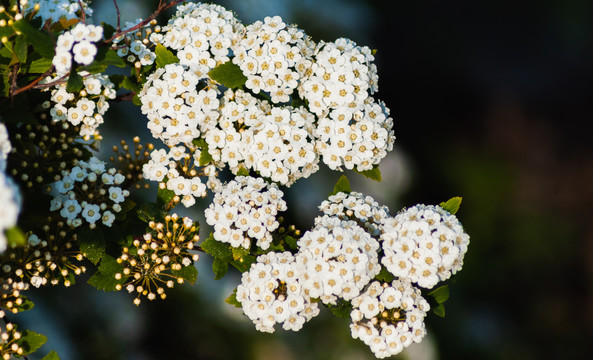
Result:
x=271 y=292
x=178 y=170
x=134 y=46
x=269 y=56
x=10 y=339
x=76 y=45
x=89 y=193
x=339 y=258
x=245 y=211
x=56 y=10
x=425 y=244
x=356 y=206
x=85 y=108
x=389 y=317
x=154 y=261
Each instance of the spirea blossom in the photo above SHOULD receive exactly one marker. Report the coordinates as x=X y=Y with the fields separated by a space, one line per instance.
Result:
x=76 y=45
x=339 y=258
x=425 y=244
x=56 y=10
x=389 y=317
x=244 y=211
x=134 y=46
x=271 y=292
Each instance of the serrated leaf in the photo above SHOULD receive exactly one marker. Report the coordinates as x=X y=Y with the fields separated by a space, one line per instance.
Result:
x=232 y=300
x=52 y=355
x=217 y=249
x=342 y=185
x=164 y=56
x=220 y=268
x=244 y=263
x=15 y=236
x=130 y=84
x=150 y=212
x=452 y=205
x=373 y=174
x=41 y=41
x=228 y=74
x=239 y=253
x=440 y=294
x=20 y=49
x=187 y=273
x=91 y=243
x=164 y=196
x=40 y=66
x=439 y=310
x=342 y=309
x=75 y=82
x=104 y=279
x=384 y=275
x=31 y=341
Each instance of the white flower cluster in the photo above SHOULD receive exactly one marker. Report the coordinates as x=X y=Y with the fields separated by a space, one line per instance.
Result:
x=89 y=191
x=133 y=46
x=356 y=206
x=178 y=167
x=271 y=292
x=85 y=108
x=10 y=201
x=202 y=35
x=55 y=10
x=389 y=318
x=339 y=258
x=425 y=244
x=78 y=45
x=245 y=211
x=269 y=56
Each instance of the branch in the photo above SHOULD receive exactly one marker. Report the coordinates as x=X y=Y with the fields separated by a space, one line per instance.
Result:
x=162 y=7
x=118 y=16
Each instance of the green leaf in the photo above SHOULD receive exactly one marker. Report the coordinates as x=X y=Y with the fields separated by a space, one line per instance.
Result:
x=232 y=300
x=242 y=171
x=228 y=74
x=164 y=196
x=384 y=275
x=31 y=341
x=452 y=205
x=440 y=294
x=187 y=273
x=217 y=249
x=244 y=263
x=52 y=355
x=104 y=279
x=25 y=305
x=373 y=174
x=343 y=185
x=164 y=56
x=91 y=243
x=75 y=82
x=291 y=242
x=16 y=236
x=130 y=84
x=439 y=310
x=40 y=66
x=239 y=253
x=205 y=157
x=220 y=268
x=126 y=207
x=42 y=42
x=342 y=309
x=20 y=49
x=150 y=212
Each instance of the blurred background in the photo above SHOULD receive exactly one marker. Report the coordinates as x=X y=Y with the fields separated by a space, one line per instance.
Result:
x=490 y=101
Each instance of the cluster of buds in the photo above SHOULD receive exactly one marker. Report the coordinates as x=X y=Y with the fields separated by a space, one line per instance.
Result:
x=155 y=261
x=131 y=160
x=9 y=337
x=134 y=46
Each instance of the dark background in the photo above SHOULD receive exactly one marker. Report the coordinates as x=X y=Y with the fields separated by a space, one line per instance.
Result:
x=490 y=101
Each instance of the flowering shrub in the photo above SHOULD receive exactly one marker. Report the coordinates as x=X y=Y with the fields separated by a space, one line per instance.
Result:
x=260 y=103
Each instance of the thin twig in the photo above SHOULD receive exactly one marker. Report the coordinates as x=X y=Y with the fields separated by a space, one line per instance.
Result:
x=34 y=82
x=162 y=7
x=118 y=16
x=82 y=10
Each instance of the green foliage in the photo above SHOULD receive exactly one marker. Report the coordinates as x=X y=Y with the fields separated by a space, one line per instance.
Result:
x=75 y=82
x=15 y=236
x=232 y=300
x=342 y=309
x=452 y=205
x=164 y=56
x=150 y=212
x=31 y=341
x=384 y=275
x=42 y=42
x=437 y=299
x=228 y=74
x=187 y=273
x=25 y=305
x=221 y=253
x=52 y=355
x=104 y=279
x=92 y=243
x=373 y=174
x=343 y=185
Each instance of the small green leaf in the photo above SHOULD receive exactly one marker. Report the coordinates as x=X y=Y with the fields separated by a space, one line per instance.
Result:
x=232 y=300
x=164 y=56
x=373 y=174
x=164 y=196
x=16 y=236
x=244 y=263
x=40 y=66
x=75 y=82
x=150 y=212
x=91 y=243
x=104 y=279
x=52 y=355
x=384 y=275
x=291 y=242
x=242 y=171
x=439 y=310
x=42 y=42
x=342 y=309
x=187 y=273
x=130 y=84
x=217 y=249
x=20 y=49
x=440 y=294
x=228 y=74
x=343 y=185
x=31 y=341
x=25 y=305
x=205 y=157
x=452 y=205
x=220 y=268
